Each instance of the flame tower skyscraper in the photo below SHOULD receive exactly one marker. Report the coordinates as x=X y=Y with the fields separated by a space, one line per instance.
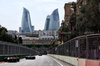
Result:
x=54 y=20
x=52 y=23
x=26 y=26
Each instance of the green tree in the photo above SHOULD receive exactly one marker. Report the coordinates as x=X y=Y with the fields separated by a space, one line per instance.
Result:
x=15 y=39
x=20 y=40
x=4 y=36
x=91 y=16
x=33 y=46
x=80 y=29
x=2 y=28
x=88 y=21
x=42 y=46
x=64 y=31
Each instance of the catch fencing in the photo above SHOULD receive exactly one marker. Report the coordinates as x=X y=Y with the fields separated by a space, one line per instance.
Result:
x=87 y=46
x=14 y=49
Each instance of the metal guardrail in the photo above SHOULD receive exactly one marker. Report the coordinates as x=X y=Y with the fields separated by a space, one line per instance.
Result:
x=87 y=46
x=14 y=49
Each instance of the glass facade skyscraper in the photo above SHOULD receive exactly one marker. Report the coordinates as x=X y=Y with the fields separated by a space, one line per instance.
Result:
x=54 y=20
x=26 y=22
x=47 y=22
x=52 y=23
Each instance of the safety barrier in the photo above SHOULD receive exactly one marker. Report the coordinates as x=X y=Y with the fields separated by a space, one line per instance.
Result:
x=7 y=48
x=87 y=46
x=75 y=61
x=92 y=63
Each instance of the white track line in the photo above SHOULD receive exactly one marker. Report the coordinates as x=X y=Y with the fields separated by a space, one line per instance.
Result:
x=56 y=61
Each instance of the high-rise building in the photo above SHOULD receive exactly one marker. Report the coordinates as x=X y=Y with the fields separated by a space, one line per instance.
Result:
x=52 y=24
x=54 y=20
x=26 y=26
x=47 y=22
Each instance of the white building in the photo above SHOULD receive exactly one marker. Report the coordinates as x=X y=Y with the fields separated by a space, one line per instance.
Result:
x=12 y=32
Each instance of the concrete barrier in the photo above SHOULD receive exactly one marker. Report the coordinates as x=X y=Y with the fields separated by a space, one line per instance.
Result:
x=70 y=60
x=92 y=63
x=82 y=62
x=76 y=61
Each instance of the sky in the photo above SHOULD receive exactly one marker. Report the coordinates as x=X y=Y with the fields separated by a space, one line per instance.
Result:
x=11 y=12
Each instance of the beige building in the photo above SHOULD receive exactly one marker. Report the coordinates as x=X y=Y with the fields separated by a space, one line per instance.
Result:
x=36 y=42
x=68 y=11
x=29 y=42
x=40 y=44
x=43 y=40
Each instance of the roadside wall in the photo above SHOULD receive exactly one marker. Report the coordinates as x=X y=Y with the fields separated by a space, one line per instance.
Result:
x=76 y=61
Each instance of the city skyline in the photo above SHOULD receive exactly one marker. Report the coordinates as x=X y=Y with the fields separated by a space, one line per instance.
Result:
x=11 y=12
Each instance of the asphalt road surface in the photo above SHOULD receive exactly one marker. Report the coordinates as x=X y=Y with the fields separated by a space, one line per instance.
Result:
x=43 y=60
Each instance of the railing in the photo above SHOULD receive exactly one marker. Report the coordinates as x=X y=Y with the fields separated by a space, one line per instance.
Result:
x=14 y=49
x=87 y=46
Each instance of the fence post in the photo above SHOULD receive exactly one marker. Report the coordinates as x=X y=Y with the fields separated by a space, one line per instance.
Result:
x=79 y=47
x=18 y=50
x=87 y=48
x=3 y=49
x=8 y=49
